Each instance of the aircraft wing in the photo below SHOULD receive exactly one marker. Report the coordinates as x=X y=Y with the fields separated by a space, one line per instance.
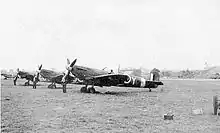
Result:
x=8 y=75
x=57 y=77
x=122 y=80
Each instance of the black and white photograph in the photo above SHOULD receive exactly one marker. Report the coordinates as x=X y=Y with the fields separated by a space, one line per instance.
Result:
x=110 y=66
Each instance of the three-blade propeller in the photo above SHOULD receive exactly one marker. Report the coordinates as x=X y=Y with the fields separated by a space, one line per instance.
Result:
x=69 y=67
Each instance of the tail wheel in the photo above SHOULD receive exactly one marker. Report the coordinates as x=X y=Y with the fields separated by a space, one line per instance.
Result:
x=91 y=90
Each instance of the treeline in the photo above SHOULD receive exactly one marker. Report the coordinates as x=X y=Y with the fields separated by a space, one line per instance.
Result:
x=189 y=74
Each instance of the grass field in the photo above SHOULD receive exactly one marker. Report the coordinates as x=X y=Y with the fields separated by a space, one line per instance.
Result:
x=115 y=109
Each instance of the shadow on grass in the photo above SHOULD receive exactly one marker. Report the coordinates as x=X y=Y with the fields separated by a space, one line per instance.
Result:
x=26 y=85
x=119 y=93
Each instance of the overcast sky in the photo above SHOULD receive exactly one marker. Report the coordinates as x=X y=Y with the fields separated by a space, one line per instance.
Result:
x=166 y=34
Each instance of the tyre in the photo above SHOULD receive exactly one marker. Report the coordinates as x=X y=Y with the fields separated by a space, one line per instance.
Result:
x=92 y=90
x=50 y=86
x=26 y=83
x=83 y=90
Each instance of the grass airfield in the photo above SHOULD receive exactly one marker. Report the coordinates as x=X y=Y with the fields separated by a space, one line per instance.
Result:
x=114 y=109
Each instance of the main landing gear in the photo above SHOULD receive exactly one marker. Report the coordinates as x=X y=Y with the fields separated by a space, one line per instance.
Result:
x=14 y=82
x=150 y=90
x=27 y=83
x=51 y=86
x=34 y=85
x=88 y=90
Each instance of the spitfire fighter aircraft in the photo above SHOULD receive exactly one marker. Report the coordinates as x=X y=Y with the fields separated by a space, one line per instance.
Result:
x=96 y=77
x=7 y=76
x=34 y=77
x=56 y=77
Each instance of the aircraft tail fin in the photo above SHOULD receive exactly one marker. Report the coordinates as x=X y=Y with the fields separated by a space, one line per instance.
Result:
x=155 y=75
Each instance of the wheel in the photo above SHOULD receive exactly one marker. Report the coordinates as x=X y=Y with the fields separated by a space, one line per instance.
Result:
x=64 y=88
x=83 y=90
x=53 y=86
x=91 y=90
x=215 y=104
x=26 y=83
x=149 y=89
x=50 y=86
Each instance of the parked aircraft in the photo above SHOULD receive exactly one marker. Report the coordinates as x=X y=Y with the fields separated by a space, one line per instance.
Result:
x=96 y=77
x=55 y=77
x=29 y=76
x=6 y=75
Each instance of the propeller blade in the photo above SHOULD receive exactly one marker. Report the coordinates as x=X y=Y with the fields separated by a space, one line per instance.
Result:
x=68 y=61
x=73 y=63
x=65 y=75
x=40 y=67
x=104 y=68
x=68 y=68
x=37 y=74
x=17 y=69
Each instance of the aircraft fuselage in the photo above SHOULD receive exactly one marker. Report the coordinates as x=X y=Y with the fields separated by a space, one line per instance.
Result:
x=82 y=72
x=26 y=75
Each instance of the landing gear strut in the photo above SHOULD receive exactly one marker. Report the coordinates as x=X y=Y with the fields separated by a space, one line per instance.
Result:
x=64 y=87
x=15 y=79
x=14 y=82
x=34 y=85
